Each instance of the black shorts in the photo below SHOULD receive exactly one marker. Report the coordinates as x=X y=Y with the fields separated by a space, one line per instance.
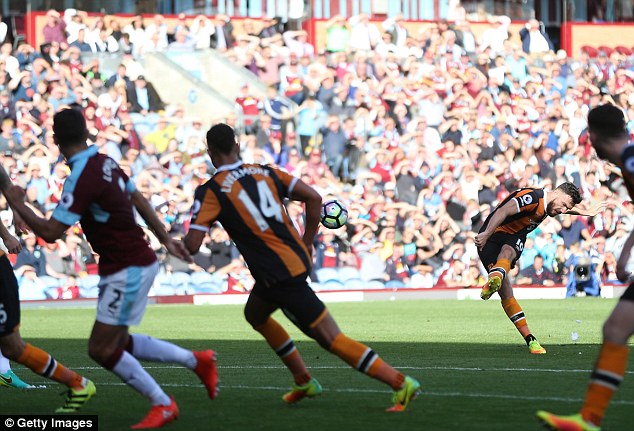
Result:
x=295 y=298
x=629 y=293
x=491 y=250
x=9 y=298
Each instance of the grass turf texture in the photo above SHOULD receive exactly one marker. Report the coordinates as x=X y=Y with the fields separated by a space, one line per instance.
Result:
x=475 y=370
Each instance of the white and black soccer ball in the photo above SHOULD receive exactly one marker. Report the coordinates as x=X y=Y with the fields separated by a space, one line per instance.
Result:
x=333 y=214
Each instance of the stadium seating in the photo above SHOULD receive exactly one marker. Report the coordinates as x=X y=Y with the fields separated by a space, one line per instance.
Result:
x=88 y=286
x=590 y=50
x=31 y=290
x=607 y=49
x=327 y=274
x=624 y=50
x=180 y=282
x=204 y=282
x=162 y=285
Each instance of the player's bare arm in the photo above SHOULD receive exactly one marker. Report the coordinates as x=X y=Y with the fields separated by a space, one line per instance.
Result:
x=48 y=229
x=147 y=212
x=304 y=193
x=621 y=266
x=589 y=212
x=10 y=242
x=193 y=240
x=497 y=219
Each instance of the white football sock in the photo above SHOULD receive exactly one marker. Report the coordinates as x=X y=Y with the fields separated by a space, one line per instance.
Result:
x=149 y=348
x=4 y=364
x=132 y=373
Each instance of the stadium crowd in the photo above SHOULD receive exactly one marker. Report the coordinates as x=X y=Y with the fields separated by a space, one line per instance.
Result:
x=419 y=134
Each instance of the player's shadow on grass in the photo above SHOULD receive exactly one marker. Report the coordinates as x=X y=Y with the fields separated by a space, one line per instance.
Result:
x=456 y=378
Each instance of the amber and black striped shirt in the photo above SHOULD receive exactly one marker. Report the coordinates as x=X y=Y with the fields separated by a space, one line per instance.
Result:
x=248 y=200
x=531 y=211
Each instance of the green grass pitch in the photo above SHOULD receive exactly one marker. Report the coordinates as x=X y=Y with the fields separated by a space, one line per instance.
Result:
x=474 y=368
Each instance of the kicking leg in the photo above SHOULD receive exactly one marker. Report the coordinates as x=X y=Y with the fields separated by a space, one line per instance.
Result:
x=515 y=313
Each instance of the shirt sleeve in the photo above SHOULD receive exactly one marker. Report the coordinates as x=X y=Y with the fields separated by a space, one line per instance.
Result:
x=205 y=209
x=77 y=195
x=527 y=202
x=288 y=181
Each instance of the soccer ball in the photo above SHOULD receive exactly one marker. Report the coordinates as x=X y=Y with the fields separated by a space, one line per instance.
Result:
x=333 y=214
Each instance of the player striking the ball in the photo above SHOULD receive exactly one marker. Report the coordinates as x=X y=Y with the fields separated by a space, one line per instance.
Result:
x=501 y=241
x=610 y=139
x=248 y=200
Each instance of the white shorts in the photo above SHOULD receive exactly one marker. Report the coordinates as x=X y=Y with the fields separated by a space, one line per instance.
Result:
x=123 y=295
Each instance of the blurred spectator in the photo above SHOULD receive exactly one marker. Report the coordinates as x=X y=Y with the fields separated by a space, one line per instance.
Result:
x=69 y=290
x=364 y=35
x=222 y=37
x=534 y=40
x=31 y=257
x=337 y=34
x=55 y=29
x=536 y=274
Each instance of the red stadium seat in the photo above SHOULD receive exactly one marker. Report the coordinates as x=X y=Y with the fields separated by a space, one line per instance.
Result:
x=590 y=50
x=624 y=50
x=608 y=50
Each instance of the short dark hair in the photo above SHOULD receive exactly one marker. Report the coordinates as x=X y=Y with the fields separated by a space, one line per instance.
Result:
x=221 y=138
x=571 y=190
x=69 y=126
x=607 y=120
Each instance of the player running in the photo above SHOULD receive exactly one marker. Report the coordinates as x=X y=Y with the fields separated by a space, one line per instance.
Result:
x=100 y=196
x=610 y=139
x=501 y=241
x=248 y=200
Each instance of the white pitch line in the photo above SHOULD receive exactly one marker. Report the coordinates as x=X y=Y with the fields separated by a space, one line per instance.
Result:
x=379 y=391
x=343 y=367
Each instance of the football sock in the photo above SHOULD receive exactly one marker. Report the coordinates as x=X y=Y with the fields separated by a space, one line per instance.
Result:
x=500 y=268
x=283 y=345
x=605 y=380
x=4 y=364
x=45 y=365
x=128 y=369
x=366 y=360
x=149 y=348
x=515 y=313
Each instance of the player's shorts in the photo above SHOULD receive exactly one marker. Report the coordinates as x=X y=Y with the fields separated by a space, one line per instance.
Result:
x=628 y=295
x=296 y=299
x=491 y=250
x=9 y=298
x=123 y=295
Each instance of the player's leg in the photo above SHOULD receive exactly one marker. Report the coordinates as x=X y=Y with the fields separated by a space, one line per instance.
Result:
x=147 y=348
x=122 y=303
x=497 y=259
x=14 y=348
x=303 y=307
x=8 y=377
x=365 y=360
x=516 y=315
x=608 y=372
x=257 y=312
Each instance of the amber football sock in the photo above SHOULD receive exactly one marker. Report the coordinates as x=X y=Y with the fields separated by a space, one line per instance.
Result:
x=366 y=360
x=283 y=345
x=45 y=365
x=605 y=380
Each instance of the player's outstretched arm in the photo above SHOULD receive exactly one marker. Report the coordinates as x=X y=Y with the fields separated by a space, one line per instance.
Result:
x=147 y=212
x=304 y=193
x=590 y=212
x=48 y=229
